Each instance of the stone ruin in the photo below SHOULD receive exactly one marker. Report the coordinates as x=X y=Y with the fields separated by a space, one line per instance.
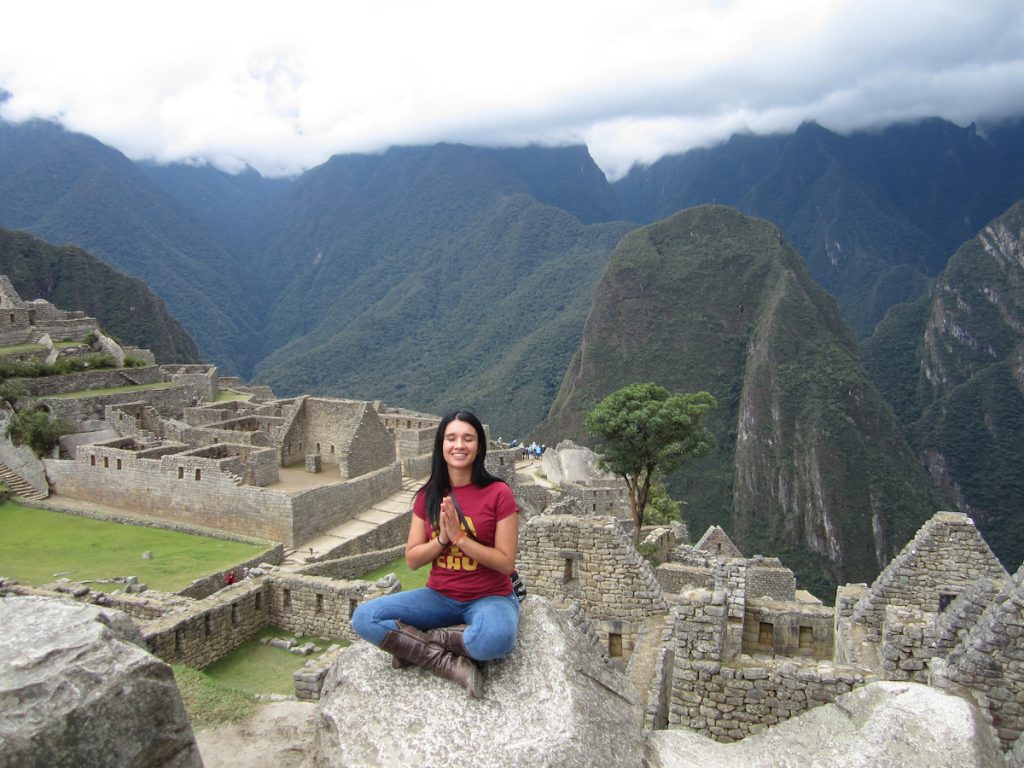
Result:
x=709 y=640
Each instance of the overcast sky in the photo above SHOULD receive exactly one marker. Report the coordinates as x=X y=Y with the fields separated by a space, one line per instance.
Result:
x=284 y=85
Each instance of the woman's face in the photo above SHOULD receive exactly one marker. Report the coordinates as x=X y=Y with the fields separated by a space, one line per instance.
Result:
x=460 y=445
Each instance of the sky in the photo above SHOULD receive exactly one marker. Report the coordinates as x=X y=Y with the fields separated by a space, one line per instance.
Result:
x=282 y=86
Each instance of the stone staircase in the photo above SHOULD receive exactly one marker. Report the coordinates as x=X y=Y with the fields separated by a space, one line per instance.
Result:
x=17 y=485
x=384 y=511
x=643 y=664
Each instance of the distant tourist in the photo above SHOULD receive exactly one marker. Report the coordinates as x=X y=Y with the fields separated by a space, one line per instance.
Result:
x=466 y=524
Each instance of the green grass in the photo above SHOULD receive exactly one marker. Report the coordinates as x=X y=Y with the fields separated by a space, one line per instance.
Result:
x=210 y=702
x=16 y=348
x=410 y=579
x=226 y=395
x=37 y=543
x=116 y=390
x=257 y=668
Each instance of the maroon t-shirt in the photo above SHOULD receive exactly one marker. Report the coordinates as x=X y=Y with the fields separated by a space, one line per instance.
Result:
x=454 y=574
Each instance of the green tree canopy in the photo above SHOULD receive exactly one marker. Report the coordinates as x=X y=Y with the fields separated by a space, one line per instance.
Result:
x=643 y=429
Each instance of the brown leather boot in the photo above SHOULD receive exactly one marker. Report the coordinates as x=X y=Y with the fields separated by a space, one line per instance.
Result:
x=448 y=638
x=412 y=645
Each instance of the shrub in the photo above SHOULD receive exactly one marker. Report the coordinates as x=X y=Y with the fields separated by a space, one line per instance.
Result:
x=37 y=429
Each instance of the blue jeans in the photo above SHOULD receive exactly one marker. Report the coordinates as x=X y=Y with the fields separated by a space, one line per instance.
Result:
x=492 y=622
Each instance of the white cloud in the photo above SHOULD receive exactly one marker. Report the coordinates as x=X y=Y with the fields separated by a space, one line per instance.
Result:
x=282 y=87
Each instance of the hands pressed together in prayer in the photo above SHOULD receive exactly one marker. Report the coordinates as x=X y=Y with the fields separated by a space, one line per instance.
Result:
x=449 y=522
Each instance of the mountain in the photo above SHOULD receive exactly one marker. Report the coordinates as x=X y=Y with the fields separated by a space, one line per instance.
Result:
x=875 y=215
x=809 y=458
x=952 y=366
x=68 y=188
x=71 y=279
x=357 y=277
x=432 y=277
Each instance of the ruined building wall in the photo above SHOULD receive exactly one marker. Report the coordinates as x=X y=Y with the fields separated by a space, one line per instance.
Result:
x=85 y=380
x=730 y=697
x=209 y=629
x=989 y=662
x=591 y=561
x=945 y=557
x=213 y=500
x=320 y=509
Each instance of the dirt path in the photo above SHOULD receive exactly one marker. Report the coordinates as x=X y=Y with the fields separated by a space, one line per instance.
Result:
x=279 y=734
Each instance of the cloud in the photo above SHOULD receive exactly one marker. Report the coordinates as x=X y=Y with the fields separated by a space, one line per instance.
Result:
x=282 y=87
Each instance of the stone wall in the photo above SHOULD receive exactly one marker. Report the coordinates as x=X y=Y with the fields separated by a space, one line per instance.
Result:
x=767 y=577
x=606 y=499
x=945 y=557
x=215 y=581
x=200 y=380
x=989 y=662
x=320 y=509
x=354 y=566
x=213 y=501
x=679 y=577
x=788 y=628
x=210 y=629
x=317 y=606
x=731 y=699
x=168 y=402
x=346 y=432
x=103 y=378
x=591 y=561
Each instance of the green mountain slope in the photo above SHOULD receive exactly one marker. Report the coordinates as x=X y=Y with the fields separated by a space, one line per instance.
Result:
x=874 y=215
x=952 y=365
x=71 y=279
x=809 y=457
x=68 y=188
x=486 y=315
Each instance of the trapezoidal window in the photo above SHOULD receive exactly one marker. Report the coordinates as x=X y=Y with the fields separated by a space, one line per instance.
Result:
x=945 y=598
x=615 y=645
x=806 y=637
x=319 y=603
x=199 y=474
x=181 y=473
x=567 y=574
x=287 y=597
x=766 y=634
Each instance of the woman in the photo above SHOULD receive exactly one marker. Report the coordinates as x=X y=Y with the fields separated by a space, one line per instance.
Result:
x=472 y=556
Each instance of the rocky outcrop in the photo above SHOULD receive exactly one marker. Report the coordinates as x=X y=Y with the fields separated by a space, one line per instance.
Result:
x=552 y=702
x=76 y=689
x=882 y=724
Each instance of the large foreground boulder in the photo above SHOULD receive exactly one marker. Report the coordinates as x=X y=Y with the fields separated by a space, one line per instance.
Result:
x=882 y=725
x=552 y=702
x=76 y=689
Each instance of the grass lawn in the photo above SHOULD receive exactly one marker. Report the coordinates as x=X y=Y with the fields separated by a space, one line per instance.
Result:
x=257 y=668
x=15 y=348
x=409 y=579
x=117 y=390
x=225 y=395
x=209 y=702
x=35 y=544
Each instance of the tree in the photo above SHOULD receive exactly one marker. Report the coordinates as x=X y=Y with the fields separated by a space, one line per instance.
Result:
x=643 y=429
x=36 y=428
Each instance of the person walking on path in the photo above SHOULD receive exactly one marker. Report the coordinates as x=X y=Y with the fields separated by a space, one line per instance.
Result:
x=466 y=525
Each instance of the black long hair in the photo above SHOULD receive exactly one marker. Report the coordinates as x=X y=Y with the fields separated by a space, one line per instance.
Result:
x=440 y=485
